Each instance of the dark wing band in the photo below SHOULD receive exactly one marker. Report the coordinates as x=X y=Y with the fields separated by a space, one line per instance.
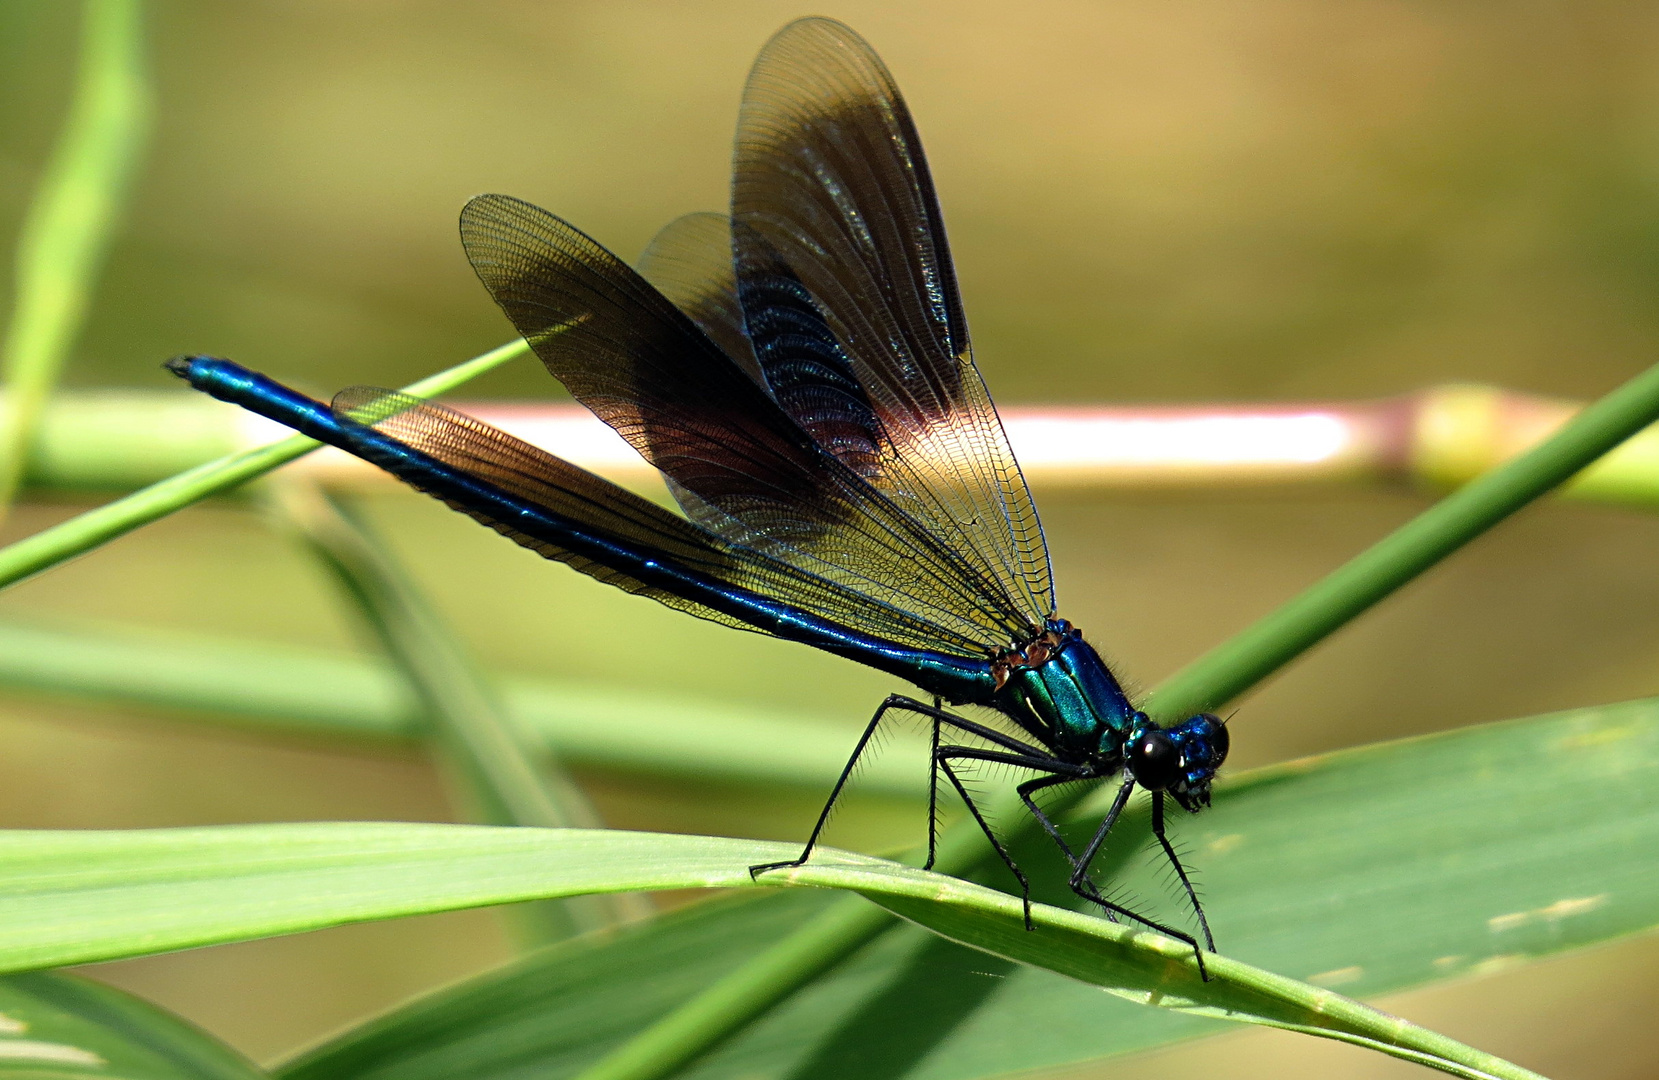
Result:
x=829 y=180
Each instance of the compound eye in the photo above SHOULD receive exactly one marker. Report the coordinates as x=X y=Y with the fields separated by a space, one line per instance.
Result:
x=1155 y=761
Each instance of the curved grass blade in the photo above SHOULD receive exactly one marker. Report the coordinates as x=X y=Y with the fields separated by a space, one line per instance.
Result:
x=1372 y=870
x=59 y=1026
x=1562 y=872
x=73 y=897
x=1107 y=955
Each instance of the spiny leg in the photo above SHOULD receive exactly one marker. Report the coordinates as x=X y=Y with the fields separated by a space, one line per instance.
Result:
x=1083 y=886
x=933 y=795
x=1087 y=890
x=1008 y=860
x=1124 y=791
x=1062 y=770
x=940 y=718
x=1181 y=871
x=1030 y=788
x=894 y=701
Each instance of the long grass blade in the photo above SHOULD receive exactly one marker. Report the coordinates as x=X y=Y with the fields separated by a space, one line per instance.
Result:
x=73 y=897
x=1248 y=658
x=1372 y=870
x=507 y=781
x=68 y=226
x=289 y=691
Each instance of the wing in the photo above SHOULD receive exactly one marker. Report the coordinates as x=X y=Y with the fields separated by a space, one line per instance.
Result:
x=829 y=179
x=551 y=483
x=690 y=262
x=749 y=471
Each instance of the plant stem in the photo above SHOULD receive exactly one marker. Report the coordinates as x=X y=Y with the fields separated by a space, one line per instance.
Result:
x=1225 y=672
x=511 y=783
x=1245 y=660
x=67 y=228
x=84 y=532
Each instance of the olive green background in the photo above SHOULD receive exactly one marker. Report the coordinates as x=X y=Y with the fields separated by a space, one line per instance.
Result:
x=1148 y=202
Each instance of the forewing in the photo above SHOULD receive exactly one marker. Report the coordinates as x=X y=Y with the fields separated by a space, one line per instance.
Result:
x=801 y=359
x=829 y=174
x=689 y=261
x=749 y=472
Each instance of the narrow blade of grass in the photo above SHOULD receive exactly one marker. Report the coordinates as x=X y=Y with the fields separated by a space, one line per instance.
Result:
x=291 y=691
x=1245 y=660
x=75 y=897
x=508 y=782
x=69 y=222
x=84 y=532
x=1376 y=866
x=1372 y=870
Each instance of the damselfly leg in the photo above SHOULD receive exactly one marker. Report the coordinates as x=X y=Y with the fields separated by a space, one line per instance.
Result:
x=900 y=703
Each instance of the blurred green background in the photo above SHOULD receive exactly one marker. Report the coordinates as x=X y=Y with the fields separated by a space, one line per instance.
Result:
x=1147 y=202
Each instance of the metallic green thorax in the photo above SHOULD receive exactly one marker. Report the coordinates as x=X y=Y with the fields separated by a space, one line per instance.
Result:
x=1061 y=691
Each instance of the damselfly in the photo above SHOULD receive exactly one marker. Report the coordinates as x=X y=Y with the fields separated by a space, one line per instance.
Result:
x=800 y=373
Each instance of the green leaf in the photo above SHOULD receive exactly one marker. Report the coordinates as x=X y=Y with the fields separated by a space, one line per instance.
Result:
x=549 y=1014
x=64 y=1027
x=78 y=896
x=72 y=897
x=1370 y=871
x=1377 y=868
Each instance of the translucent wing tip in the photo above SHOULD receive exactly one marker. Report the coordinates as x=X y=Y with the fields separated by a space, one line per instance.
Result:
x=819 y=44
x=821 y=27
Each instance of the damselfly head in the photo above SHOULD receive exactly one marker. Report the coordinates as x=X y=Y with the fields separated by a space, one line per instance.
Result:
x=1203 y=742
x=1181 y=760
